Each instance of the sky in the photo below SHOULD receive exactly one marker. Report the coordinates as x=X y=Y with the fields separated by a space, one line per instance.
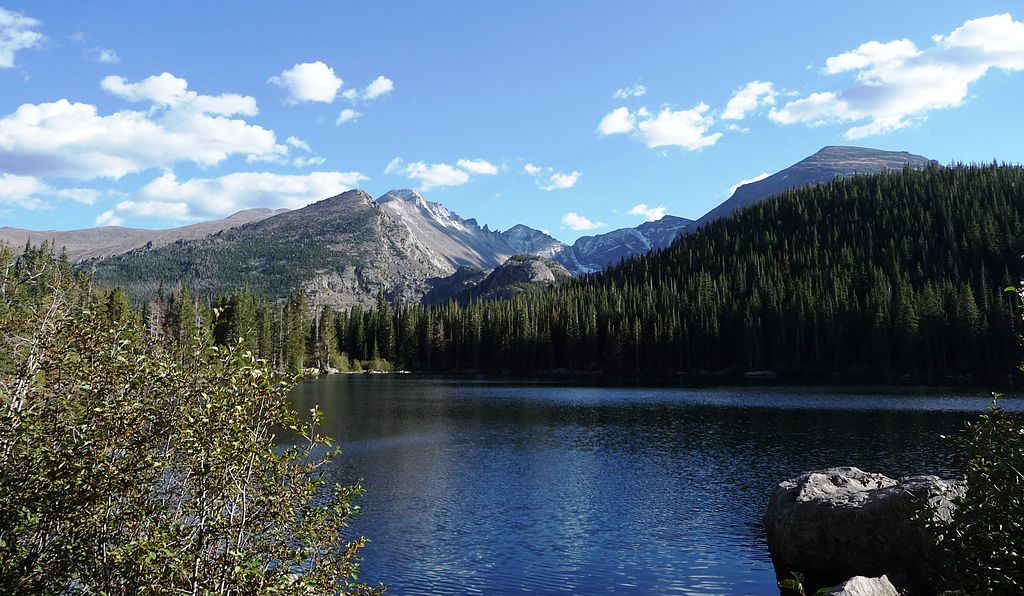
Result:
x=574 y=117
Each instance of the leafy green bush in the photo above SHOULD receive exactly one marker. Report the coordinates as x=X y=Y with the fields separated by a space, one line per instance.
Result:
x=127 y=469
x=982 y=545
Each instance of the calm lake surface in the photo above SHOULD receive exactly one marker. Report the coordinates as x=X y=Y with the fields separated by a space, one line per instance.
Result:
x=494 y=488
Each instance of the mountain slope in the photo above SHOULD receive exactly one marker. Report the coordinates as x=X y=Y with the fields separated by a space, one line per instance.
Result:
x=827 y=164
x=454 y=241
x=111 y=240
x=459 y=242
x=519 y=275
x=342 y=250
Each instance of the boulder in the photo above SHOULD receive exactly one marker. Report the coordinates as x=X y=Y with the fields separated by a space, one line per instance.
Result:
x=865 y=586
x=844 y=522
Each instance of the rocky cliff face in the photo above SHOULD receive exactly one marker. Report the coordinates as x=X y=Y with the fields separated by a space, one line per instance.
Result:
x=451 y=240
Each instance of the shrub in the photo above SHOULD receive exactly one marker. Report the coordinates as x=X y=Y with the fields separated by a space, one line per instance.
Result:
x=126 y=469
x=981 y=544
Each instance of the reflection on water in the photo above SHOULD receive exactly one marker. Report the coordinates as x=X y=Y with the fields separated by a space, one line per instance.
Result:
x=496 y=488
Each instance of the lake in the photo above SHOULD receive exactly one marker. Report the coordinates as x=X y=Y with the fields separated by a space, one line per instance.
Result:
x=494 y=488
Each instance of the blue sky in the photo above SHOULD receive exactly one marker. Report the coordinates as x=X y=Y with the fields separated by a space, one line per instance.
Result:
x=574 y=117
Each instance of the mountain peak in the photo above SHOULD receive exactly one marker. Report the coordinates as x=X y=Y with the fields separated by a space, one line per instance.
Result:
x=829 y=163
x=846 y=152
x=407 y=195
x=349 y=196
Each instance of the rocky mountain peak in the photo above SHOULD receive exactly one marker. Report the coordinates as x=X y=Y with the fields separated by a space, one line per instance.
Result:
x=407 y=195
x=347 y=198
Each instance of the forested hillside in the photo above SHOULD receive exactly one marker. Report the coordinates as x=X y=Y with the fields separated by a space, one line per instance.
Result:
x=901 y=273
x=897 y=273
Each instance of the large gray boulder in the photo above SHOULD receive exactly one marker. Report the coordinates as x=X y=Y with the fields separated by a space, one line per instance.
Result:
x=844 y=522
x=865 y=586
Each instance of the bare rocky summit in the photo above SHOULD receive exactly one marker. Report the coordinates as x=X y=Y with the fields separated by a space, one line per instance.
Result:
x=824 y=166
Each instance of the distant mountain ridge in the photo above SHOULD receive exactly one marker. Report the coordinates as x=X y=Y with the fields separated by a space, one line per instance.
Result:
x=348 y=248
x=107 y=241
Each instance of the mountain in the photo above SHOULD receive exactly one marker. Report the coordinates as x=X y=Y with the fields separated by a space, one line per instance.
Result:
x=596 y=253
x=111 y=240
x=459 y=242
x=525 y=240
x=460 y=283
x=518 y=275
x=342 y=250
x=453 y=241
x=890 y=276
x=826 y=165
x=348 y=248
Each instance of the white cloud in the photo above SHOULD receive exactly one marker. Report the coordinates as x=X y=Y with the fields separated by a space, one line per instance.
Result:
x=733 y=188
x=440 y=174
x=559 y=181
x=294 y=141
x=648 y=213
x=897 y=84
x=165 y=210
x=311 y=81
x=29 y=192
x=66 y=139
x=617 y=121
x=577 y=222
x=870 y=53
x=107 y=218
x=637 y=90
x=107 y=56
x=305 y=162
x=428 y=175
x=378 y=87
x=477 y=166
x=676 y=128
x=752 y=96
x=167 y=90
x=168 y=198
x=548 y=179
x=17 y=32
x=680 y=128
x=347 y=115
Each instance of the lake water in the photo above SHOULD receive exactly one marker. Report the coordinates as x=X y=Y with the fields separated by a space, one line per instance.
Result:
x=495 y=488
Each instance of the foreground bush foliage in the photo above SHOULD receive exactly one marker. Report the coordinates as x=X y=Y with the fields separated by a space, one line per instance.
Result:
x=127 y=468
x=983 y=544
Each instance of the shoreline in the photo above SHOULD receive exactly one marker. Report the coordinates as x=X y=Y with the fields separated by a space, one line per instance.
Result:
x=986 y=385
